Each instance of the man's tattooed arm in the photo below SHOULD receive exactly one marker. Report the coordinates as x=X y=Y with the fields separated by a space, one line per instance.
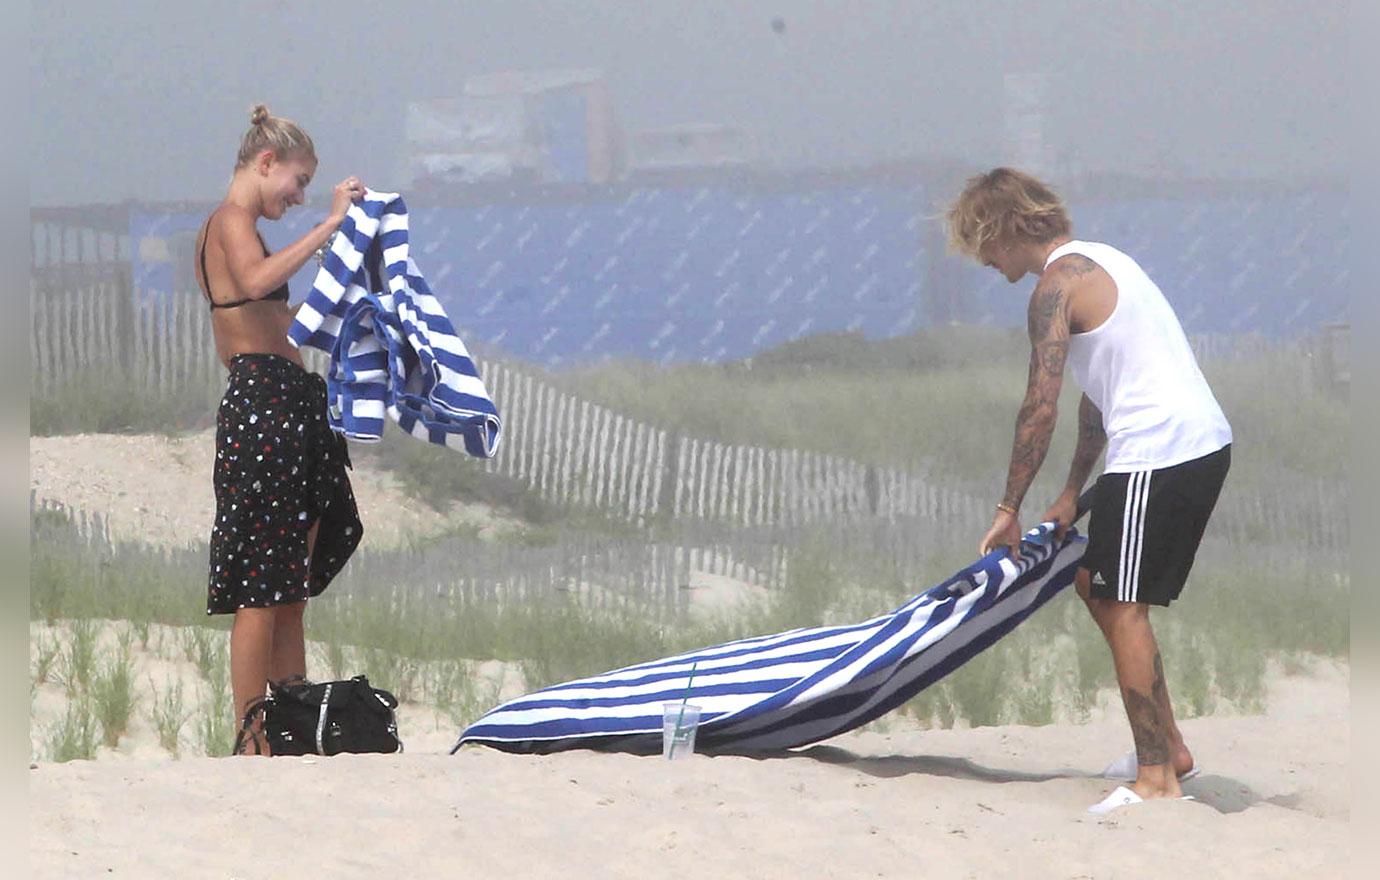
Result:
x=1048 y=324
x=1091 y=440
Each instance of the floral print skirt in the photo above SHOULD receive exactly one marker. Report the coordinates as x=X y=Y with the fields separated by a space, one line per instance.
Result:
x=279 y=469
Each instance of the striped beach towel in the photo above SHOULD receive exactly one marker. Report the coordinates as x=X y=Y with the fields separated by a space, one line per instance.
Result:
x=799 y=687
x=392 y=348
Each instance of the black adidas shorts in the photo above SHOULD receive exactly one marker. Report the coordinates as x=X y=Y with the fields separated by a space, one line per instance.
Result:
x=1146 y=527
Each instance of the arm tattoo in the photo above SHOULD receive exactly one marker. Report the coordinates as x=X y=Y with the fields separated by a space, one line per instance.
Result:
x=1048 y=324
x=1077 y=265
x=1091 y=440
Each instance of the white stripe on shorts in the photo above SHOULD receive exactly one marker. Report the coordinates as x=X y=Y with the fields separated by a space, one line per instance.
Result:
x=1132 y=535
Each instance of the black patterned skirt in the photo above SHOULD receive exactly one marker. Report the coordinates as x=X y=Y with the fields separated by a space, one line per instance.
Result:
x=279 y=469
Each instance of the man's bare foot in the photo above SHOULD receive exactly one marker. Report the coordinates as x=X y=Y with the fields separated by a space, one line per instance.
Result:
x=1156 y=781
x=1181 y=759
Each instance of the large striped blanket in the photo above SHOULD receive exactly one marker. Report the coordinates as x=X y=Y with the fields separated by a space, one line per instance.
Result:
x=392 y=347
x=798 y=687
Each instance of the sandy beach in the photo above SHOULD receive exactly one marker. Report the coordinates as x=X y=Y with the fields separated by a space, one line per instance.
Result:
x=1273 y=801
x=893 y=800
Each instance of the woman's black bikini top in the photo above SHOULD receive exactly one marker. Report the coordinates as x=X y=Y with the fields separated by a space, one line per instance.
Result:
x=280 y=294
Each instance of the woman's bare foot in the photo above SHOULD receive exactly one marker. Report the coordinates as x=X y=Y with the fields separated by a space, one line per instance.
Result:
x=253 y=744
x=250 y=740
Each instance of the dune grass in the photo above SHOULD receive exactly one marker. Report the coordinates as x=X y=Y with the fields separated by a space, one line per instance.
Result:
x=948 y=399
x=169 y=715
x=942 y=400
x=43 y=653
x=76 y=736
x=102 y=400
x=78 y=662
x=112 y=695
x=458 y=691
x=1239 y=610
x=945 y=400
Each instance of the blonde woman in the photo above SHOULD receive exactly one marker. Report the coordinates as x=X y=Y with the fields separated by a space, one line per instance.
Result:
x=285 y=513
x=1146 y=403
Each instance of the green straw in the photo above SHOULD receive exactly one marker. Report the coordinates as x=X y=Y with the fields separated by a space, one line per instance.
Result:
x=680 y=718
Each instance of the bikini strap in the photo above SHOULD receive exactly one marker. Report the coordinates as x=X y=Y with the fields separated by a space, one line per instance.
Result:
x=206 y=279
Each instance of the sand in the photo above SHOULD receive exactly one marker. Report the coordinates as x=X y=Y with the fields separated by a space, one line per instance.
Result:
x=890 y=801
x=156 y=488
x=1273 y=801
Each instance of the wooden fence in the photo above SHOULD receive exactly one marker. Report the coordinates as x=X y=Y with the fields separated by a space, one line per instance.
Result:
x=87 y=325
x=90 y=325
x=567 y=450
x=653 y=575
x=650 y=576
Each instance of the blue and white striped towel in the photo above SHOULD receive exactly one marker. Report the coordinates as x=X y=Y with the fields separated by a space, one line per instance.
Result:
x=799 y=687
x=392 y=347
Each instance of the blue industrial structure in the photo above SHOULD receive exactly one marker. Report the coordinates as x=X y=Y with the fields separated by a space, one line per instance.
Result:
x=720 y=270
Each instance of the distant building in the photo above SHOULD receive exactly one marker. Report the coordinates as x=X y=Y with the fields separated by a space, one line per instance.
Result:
x=526 y=127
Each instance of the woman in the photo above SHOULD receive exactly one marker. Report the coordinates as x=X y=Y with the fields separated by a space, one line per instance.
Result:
x=285 y=514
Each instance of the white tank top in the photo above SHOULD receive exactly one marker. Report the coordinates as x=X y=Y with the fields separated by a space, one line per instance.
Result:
x=1138 y=368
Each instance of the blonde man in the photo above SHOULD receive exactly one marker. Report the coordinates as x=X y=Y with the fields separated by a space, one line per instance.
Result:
x=1146 y=402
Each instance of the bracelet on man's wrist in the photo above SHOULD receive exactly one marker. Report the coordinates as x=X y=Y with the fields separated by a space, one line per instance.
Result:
x=1007 y=508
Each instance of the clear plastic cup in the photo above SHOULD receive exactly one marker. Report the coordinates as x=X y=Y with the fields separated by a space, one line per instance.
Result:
x=679 y=721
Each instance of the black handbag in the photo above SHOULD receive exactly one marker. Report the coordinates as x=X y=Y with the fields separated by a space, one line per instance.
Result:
x=325 y=718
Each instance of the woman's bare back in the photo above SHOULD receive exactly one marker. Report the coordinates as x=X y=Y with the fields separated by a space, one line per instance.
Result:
x=255 y=326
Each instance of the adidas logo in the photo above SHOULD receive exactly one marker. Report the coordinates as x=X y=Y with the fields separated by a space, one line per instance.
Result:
x=1097 y=579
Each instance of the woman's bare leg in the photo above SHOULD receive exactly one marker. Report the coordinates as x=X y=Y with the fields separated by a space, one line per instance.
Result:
x=266 y=644
x=251 y=652
x=289 y=637
x=289 y=658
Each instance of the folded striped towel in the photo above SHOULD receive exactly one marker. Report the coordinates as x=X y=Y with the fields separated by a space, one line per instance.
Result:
x=392 y=347
x=799 y=687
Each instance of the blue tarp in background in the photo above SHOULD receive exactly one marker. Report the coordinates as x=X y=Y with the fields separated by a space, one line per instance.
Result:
x=691 y=273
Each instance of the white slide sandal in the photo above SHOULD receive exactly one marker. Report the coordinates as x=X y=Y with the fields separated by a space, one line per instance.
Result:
x=1122 y=797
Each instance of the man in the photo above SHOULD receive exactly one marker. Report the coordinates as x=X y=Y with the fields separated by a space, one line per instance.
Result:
x=1145 y=400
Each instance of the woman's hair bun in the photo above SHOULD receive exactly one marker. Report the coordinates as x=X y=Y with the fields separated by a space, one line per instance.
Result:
x=274 y=133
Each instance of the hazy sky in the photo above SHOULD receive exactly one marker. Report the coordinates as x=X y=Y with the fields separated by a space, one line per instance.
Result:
x=148 y=98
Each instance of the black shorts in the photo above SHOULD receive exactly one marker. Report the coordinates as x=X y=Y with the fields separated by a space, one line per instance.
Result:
x=1146 y=527
x=279 y=469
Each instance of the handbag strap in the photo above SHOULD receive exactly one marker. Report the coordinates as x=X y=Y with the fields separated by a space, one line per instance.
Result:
x=255 y=708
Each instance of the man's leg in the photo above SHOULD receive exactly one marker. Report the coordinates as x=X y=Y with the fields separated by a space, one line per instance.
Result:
x=1126 y=626
x=251 y=650
x=1140 y=674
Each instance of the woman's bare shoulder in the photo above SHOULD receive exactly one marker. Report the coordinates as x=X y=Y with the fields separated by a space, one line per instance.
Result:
x=233 y=225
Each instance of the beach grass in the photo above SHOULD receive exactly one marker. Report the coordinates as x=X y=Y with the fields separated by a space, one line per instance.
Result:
x=112 y=695
x=1215 y=642
x=944 y=401
x=101 y=400
x=215 y=722
x=169 y=714
x=941 y=401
